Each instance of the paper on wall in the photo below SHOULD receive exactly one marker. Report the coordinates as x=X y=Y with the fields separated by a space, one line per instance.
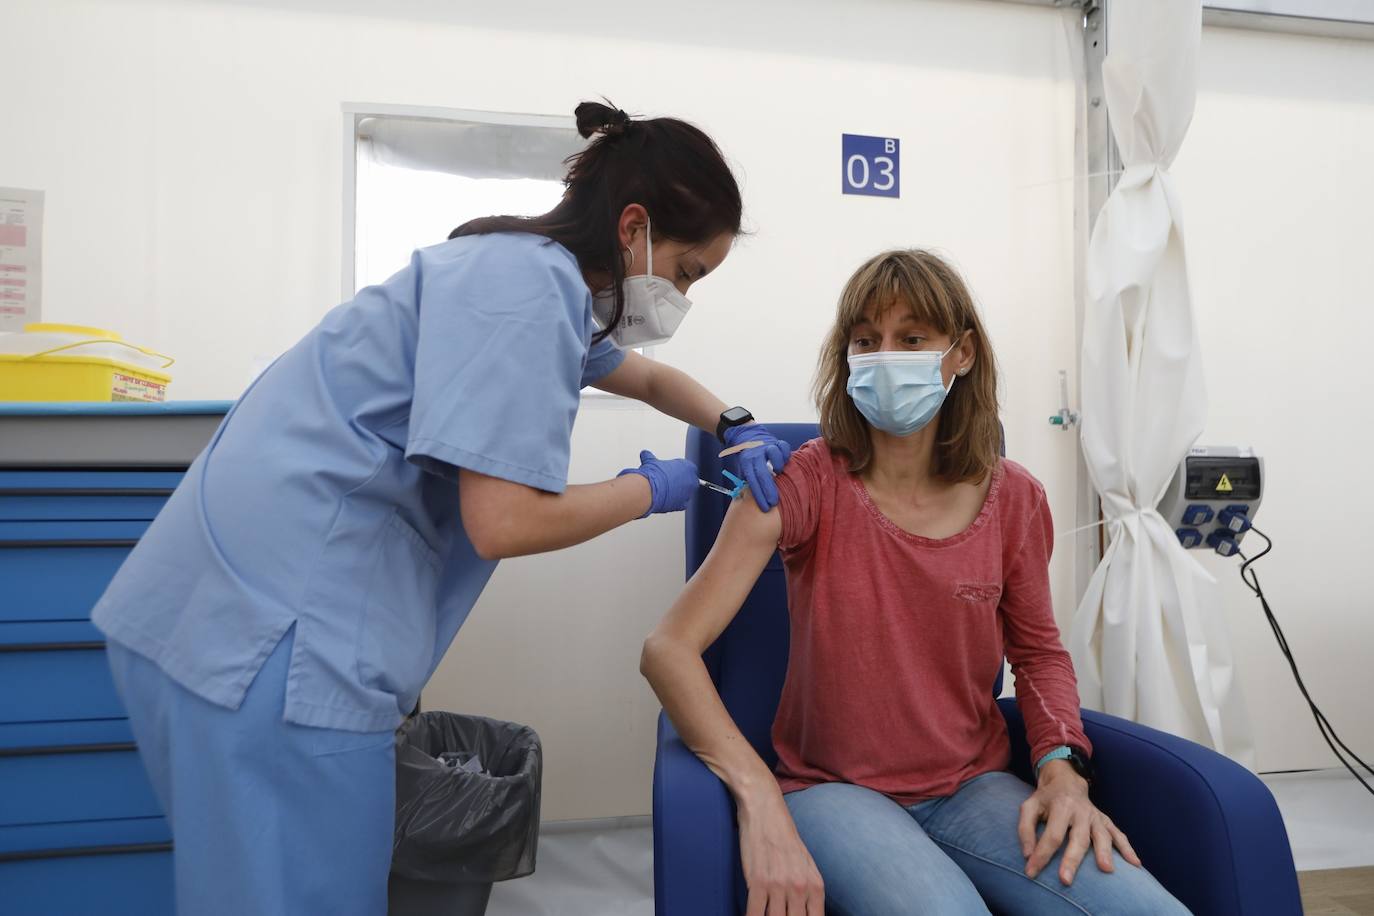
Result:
x=21 y=257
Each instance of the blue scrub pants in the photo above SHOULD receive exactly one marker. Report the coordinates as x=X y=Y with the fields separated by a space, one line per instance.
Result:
x=267 y=817
x=954 y=856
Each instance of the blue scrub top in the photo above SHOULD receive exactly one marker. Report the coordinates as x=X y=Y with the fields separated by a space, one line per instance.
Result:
x=328 y=499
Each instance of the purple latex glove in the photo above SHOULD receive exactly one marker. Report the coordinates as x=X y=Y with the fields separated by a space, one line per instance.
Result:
x=753 y=464
x=672 y=481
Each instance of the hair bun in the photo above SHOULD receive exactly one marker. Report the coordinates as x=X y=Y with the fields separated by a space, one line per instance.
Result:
x=594 y=117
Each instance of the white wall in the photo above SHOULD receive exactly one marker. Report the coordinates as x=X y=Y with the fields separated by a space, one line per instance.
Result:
x=1278 y=198
x=191 y=156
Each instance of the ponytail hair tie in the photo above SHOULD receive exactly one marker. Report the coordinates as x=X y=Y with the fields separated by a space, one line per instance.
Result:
x=596 y=118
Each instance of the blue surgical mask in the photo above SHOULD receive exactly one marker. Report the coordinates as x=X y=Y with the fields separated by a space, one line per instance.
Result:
x=898 y=391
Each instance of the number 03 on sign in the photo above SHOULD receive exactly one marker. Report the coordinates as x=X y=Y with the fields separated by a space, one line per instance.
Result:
x=871 y=165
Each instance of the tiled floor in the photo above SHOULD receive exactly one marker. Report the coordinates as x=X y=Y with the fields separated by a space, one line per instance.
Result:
x=605 y=868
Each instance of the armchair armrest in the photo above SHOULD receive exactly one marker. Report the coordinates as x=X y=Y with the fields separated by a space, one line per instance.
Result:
x=695 y=842
x=1205 y=826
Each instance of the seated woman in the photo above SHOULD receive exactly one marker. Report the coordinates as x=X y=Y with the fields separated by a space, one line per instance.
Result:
x=915 y=559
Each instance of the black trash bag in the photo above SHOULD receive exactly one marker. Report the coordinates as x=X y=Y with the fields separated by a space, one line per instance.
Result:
x=454 y=825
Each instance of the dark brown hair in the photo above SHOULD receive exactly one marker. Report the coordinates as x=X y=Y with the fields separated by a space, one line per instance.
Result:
x=670 y=167
x=968 y=436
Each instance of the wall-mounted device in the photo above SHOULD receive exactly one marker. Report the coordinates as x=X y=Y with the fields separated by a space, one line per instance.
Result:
x=1212 y=502
x=1213 y=498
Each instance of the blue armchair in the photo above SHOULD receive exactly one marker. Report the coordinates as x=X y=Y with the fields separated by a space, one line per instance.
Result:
x=1207 y=828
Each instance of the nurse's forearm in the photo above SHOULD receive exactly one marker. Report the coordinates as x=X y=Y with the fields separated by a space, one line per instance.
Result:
x=505 y=519
x=677 y=394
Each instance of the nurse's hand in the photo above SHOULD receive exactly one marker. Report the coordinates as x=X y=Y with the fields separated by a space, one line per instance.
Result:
x=753 y=464
x=672 y=481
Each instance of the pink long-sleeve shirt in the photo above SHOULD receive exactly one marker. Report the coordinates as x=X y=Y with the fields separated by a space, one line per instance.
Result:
x=897 y=638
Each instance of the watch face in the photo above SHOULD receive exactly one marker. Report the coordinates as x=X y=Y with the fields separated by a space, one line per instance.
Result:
x=735 y=415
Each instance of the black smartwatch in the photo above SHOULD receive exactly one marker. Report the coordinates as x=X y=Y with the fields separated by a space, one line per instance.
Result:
x=1082 y=764
x=734 y=416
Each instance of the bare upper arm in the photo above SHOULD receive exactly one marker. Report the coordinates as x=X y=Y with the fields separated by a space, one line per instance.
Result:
x=631 y=379
x=712 y=597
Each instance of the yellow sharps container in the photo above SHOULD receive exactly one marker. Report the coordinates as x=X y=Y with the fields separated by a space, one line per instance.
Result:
x=68 y=362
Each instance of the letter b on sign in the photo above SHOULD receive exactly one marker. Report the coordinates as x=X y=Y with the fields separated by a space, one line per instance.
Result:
x=870 y=165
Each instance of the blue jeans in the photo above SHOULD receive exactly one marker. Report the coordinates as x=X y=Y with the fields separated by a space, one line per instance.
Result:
x=953 y=855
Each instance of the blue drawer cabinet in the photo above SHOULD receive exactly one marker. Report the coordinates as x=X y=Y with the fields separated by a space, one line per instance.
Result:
x=56 y=773
x=110 y=867
x=57 y=570
x=85 y=495
x=79 y=782
x=81 y=831
x=117 y=880
x=55 y=672
x=80 y=828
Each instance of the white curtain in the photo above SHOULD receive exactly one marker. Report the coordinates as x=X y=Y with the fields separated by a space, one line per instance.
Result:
x=1148 y=640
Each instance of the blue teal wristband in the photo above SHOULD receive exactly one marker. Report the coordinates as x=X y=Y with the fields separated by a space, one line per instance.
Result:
x=1063 y=752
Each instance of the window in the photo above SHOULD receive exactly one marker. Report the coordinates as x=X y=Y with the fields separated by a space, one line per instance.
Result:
x=413 y=174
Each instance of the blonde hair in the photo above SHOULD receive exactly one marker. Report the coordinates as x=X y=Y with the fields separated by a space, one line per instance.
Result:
x=968 y=437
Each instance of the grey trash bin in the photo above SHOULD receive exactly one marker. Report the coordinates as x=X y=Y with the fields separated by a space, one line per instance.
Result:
x=467 y=812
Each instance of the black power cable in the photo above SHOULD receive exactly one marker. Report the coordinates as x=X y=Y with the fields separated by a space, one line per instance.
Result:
x=1251 y=580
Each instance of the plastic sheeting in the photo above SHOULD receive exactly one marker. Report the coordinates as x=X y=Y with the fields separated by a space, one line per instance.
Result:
x=1148 y=640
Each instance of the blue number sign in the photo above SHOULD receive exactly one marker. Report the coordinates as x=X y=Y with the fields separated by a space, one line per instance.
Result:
x=870 y=165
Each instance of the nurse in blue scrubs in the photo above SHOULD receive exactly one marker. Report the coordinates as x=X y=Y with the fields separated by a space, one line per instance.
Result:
x=282 y=613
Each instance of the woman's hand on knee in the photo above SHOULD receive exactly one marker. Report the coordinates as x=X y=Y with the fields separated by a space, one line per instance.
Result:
x=1069 y=815
x=782 y=877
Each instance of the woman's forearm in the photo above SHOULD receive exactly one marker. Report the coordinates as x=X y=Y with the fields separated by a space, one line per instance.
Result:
x=684 y=687
x=671 y=660
x=505 y=519
x=677 y=394
x=667 y=390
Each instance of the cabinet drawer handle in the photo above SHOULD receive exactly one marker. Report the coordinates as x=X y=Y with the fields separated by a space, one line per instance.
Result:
x=69 y=542
x=52 y=646
x=110 y=747
x=117 y=849
x=85 y=491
